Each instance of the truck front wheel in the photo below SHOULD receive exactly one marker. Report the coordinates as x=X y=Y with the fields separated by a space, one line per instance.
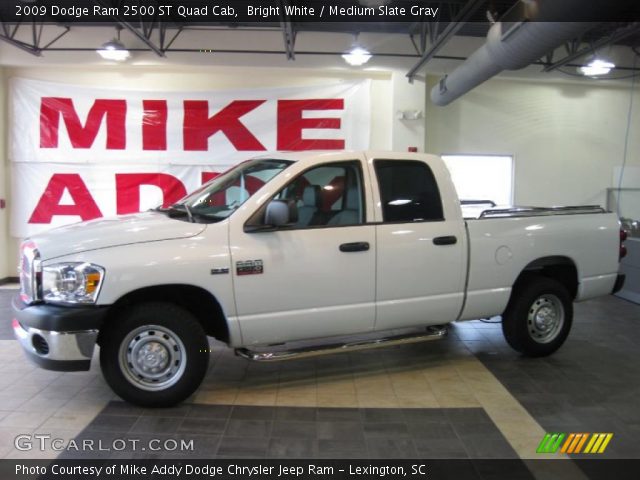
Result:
x=538 y=317
x=155 y=355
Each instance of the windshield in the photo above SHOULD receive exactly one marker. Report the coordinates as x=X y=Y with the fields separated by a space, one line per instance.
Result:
x=219 y=198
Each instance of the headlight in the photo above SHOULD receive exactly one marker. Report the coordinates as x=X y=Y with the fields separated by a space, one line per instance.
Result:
x=71 y=283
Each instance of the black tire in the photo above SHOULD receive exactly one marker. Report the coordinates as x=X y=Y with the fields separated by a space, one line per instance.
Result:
x=538 y=317
x=154 y=355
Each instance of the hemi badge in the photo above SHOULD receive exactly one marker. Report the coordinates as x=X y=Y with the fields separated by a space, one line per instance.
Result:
x=249 y=267
x=219 y=271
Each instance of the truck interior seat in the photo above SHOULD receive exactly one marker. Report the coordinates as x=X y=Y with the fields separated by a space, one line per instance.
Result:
x=351 y=213
x=311 y=197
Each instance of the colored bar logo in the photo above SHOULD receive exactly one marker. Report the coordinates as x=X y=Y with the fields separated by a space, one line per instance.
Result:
x=574 y=443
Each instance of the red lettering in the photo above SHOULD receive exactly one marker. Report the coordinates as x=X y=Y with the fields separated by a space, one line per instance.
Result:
x=198 y=126
x=52 y=108
x=49 y=204
x=291 y=123
x=154 y=125
x=128 y=190
x=206 y=176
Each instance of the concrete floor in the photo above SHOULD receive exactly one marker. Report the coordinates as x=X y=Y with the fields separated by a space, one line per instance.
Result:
x=467 y=396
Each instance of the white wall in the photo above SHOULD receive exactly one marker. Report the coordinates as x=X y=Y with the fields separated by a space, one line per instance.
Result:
x=566 y=137
x=389 y=91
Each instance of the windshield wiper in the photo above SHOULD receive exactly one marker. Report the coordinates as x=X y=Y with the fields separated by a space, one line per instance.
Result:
x=188 y=210
x=182 y=207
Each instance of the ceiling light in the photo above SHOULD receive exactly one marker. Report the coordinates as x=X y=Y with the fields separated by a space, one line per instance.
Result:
x=596 y=67
x=357 y=56
x=114 y=50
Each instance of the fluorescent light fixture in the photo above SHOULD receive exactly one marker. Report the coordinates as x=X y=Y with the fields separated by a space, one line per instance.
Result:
x=357 y=56
x=114 y=50
x=596 y=67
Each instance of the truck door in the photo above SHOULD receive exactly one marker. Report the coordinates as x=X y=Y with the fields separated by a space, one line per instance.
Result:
x=421 y=239
x=316 y=278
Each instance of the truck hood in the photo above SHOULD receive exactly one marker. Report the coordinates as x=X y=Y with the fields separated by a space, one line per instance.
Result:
x=112 y=232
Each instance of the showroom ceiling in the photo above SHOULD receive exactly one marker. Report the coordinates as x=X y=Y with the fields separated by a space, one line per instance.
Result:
x=435 y=46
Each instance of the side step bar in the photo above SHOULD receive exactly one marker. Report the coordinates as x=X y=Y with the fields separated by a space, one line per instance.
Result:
x=435 y=332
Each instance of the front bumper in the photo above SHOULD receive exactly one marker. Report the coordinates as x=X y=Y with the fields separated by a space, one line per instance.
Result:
x=58 y=338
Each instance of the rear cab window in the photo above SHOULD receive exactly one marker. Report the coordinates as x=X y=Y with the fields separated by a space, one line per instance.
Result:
x=408 y=192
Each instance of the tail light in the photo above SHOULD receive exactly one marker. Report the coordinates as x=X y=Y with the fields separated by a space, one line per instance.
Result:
x=623 y=249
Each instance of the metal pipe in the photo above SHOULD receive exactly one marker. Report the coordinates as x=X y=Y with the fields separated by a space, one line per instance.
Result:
x=512 y=46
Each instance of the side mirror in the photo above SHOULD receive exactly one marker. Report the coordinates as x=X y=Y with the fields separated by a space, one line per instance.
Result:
x=280 y=213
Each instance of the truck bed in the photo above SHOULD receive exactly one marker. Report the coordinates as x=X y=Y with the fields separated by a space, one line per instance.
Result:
x=506 y=241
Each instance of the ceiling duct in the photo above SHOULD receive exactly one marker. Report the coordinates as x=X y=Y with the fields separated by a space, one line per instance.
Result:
x=514 y=45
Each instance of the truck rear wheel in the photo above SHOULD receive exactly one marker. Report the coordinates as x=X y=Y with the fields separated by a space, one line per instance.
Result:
x=155 y=355
x=538 y=318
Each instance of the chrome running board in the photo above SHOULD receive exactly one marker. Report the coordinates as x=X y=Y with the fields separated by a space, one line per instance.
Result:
x=435 y=332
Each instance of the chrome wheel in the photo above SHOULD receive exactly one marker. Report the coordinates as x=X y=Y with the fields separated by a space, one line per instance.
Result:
x=152 y=357
x=545 y=318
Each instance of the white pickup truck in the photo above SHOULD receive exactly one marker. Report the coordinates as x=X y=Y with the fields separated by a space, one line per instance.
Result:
x=297 y=247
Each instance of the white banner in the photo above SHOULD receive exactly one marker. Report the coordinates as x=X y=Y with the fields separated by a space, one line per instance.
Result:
x=81 y=153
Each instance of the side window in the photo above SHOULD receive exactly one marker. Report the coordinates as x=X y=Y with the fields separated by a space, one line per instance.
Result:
x=408 y=191
x=328 y=195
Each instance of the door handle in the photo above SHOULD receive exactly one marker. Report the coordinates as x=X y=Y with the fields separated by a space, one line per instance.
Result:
x=354 y=247
x=447 y=240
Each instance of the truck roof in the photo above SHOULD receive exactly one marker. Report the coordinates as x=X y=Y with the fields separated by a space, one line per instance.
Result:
x=346 y=154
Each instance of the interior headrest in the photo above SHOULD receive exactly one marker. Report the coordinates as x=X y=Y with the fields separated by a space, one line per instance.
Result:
x=353 y=199
x=311 y=196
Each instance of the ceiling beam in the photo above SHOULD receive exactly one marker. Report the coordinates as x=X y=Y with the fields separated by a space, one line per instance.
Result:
x=450 y=30
x=9 y=37
x=22 y=46
x=142 y=37
x=616 y=36
x=288 y=33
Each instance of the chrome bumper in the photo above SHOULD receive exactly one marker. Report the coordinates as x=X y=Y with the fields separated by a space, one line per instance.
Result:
x=63 y=351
